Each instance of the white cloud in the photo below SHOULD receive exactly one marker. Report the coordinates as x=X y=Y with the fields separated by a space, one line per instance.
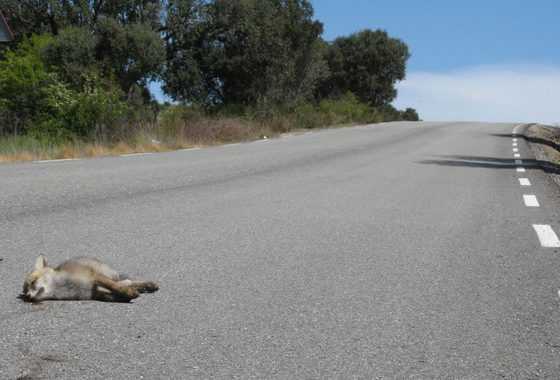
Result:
x=516 y=93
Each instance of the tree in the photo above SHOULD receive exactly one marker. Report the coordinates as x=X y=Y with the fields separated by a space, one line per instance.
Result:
x=122 y=38
x=188 y=75
x=368 y=64
x=28 y=17
x=243 y=51
x=410 y=114
x=71 y=54
x=132 y=53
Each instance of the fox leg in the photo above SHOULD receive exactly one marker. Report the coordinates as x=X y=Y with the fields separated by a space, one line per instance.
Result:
x=141 y=286
x=117 y=290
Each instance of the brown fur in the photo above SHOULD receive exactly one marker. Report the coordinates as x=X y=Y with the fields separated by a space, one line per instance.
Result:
x=81 y=279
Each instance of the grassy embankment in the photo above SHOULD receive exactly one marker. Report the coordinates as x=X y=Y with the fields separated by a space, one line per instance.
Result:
x=547 y=141
x=179 y=127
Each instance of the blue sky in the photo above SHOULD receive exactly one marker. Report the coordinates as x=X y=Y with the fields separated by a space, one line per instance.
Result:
x=446 y=35
x=493 y=60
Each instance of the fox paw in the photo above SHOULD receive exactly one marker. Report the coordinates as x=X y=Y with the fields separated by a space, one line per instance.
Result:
x=149 y=287
x=130 y=292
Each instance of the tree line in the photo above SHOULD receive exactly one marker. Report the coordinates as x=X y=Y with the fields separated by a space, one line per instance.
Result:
x=80 y=67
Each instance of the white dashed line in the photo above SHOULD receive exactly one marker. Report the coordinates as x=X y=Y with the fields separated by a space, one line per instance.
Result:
x=514 y=144
x=514 y=140
x=515 y=150
x=516 y=155
x=530 y=200
x=521 y=170
x=547 y=236
x=524 y=182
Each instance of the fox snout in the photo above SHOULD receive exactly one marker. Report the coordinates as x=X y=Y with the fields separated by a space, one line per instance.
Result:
x=32 y=296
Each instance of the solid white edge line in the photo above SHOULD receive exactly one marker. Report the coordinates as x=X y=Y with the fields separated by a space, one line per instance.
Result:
x=547 y=236
x=531 y=200
x=136 y=154
x=524 y=182
x=54 y=161
x=516 y=129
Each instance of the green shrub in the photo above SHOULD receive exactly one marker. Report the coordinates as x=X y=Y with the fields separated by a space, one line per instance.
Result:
x=96 y=111
x=70 y=54
x=175 y=118
x=24 y=81
x=309 y=116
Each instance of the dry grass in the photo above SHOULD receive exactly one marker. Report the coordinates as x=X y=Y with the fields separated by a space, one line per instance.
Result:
x=149 y=138
x=548 y=140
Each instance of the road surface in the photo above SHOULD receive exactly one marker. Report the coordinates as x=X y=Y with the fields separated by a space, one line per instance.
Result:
x=390 y=251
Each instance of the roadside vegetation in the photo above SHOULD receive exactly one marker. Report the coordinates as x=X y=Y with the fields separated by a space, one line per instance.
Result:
x=75 y=82
x=546 y=143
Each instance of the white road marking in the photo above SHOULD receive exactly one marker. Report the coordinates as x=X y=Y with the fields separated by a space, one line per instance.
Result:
x=514 y=144
x=521 y=170
x=515 y=150
x=187 y=149
x=514 y=139
x=530 y=200
x=135 y=154
x=524 y=182
x=518 y=162
x=55 y=161
x=516 y=155
x=547 y=236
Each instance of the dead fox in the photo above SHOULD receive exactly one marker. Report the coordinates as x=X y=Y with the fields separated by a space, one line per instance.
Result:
x=81 y=278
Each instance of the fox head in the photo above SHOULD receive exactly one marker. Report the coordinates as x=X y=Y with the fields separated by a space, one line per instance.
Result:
x=39 y=285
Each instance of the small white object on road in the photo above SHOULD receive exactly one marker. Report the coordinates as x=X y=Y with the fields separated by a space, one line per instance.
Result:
x=547 y=236
x=524 y=182
x=530 y=200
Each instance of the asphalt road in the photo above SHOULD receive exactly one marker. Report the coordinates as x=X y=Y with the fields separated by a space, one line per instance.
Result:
x=399 y=250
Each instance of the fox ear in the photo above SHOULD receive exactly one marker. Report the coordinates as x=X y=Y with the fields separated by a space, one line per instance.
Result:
x=40 y=262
